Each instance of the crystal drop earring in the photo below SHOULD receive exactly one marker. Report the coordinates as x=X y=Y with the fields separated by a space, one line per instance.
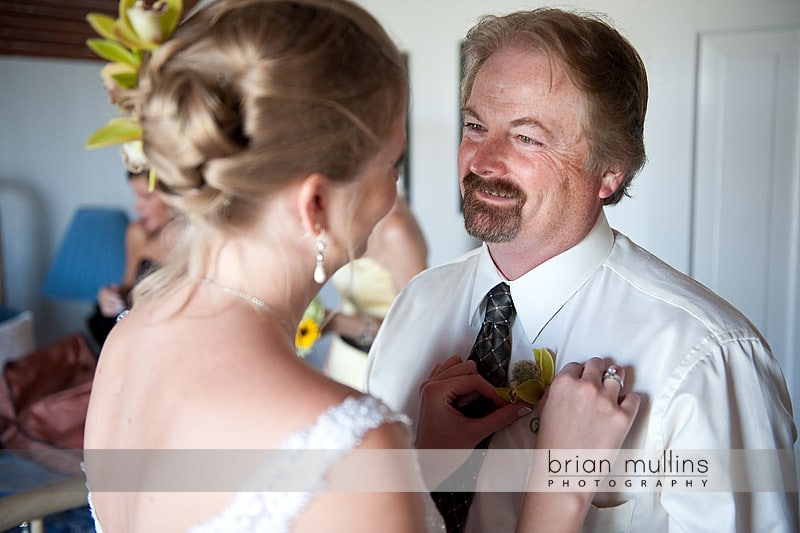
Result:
x=319 y=271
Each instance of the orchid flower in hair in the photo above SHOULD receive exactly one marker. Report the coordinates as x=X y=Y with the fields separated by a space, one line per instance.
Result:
x=141 y=27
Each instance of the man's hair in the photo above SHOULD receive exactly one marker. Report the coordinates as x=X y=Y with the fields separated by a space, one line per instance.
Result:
x=601 y=63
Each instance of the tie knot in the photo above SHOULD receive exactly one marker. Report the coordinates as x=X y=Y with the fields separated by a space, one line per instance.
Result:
x=499 y=306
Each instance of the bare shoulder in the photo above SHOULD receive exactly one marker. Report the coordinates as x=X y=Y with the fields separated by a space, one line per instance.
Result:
x=230 y=383
x=135 y=233
x=221 y=380
x=398 y=230
x=268 y=392
x=400 y=223
x=136 y=239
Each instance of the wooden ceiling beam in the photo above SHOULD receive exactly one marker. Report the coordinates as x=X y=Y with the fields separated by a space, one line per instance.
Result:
x=53 y=28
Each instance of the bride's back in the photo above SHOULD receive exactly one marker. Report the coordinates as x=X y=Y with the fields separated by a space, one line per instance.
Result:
x=202 y=388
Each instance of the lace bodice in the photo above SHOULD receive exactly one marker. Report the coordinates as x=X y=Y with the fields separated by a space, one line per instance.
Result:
x=341 y=429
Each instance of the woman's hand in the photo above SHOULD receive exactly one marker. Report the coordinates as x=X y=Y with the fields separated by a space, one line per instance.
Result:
x=441 y=425
x=110 y=300
x=582 y=410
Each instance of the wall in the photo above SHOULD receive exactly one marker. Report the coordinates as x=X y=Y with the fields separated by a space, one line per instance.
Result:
x=49 y=107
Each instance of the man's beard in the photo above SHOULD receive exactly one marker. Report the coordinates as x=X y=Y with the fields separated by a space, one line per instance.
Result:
x=491 y=223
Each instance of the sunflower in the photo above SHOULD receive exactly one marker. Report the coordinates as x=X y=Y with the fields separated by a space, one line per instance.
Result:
x=310 y=327
x=307 y=335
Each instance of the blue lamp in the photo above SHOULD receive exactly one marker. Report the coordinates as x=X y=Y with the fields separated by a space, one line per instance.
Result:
x=91 y=255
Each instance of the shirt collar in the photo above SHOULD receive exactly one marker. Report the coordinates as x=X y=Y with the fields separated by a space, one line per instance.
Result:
x=539 y=294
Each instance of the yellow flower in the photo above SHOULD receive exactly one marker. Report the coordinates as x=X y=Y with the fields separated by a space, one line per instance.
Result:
x=307 y=335
x=530 y=379
x=310 y=325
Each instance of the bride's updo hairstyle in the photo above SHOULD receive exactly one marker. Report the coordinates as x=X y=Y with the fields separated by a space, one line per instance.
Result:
x=249 y=95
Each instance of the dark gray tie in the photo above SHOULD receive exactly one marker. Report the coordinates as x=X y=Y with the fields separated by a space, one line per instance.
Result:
x=491 y=352
x=492 y=348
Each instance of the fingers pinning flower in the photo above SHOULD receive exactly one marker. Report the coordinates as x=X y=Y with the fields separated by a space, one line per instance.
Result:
x=530 y=379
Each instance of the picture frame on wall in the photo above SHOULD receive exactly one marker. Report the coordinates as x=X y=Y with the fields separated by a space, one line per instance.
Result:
x=404 y=168
x=459 y=118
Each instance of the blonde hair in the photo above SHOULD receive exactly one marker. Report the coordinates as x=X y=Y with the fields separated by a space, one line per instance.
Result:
x=249 y=95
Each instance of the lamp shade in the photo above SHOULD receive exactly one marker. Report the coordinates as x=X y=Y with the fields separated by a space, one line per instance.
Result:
x=91 y=255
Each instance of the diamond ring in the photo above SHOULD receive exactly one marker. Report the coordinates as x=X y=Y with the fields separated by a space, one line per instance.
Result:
x=612 y=373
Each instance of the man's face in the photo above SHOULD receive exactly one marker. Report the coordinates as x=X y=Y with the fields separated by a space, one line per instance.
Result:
x=523 y=156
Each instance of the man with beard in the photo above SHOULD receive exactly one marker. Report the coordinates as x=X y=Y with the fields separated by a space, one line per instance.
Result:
x=553 y=110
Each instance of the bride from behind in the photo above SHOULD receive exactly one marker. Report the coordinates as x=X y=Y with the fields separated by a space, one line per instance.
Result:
x=274 y=129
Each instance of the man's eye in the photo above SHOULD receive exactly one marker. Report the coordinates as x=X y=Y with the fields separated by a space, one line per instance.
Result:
x=528 y=140
x=472 y=126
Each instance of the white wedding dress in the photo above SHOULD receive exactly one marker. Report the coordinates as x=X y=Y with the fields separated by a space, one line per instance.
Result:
x=340 y=428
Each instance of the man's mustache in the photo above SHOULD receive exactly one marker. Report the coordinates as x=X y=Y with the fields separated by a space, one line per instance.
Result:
x=497 y=186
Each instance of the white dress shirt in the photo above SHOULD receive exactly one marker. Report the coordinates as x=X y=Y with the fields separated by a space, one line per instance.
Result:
x=708 y=378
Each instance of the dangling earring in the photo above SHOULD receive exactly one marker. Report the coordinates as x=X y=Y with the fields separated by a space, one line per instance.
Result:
x=319 y=271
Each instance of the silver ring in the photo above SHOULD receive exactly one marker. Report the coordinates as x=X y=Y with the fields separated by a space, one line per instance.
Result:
x=612 y=373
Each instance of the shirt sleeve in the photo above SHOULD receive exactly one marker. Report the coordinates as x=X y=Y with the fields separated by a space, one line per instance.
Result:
x=730 y=394
x=398 y=359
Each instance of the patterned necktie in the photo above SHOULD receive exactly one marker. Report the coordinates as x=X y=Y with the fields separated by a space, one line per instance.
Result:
x=491 y=352
x=492 y=348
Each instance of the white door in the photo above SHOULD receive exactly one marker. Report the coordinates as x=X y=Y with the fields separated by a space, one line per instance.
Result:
x=746 y=227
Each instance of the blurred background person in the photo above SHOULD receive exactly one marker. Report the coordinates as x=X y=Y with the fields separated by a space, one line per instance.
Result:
x=146 y=247
x=367 y=286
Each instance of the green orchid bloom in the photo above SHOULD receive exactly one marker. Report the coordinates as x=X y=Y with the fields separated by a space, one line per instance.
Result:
x=530 y=379
x=141 y=27
x=118 y=76
x=118 y=130
x=151 y=22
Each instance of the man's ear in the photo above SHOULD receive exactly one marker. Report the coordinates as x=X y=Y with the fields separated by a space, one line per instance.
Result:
x=312 y=202
x=610 y=182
